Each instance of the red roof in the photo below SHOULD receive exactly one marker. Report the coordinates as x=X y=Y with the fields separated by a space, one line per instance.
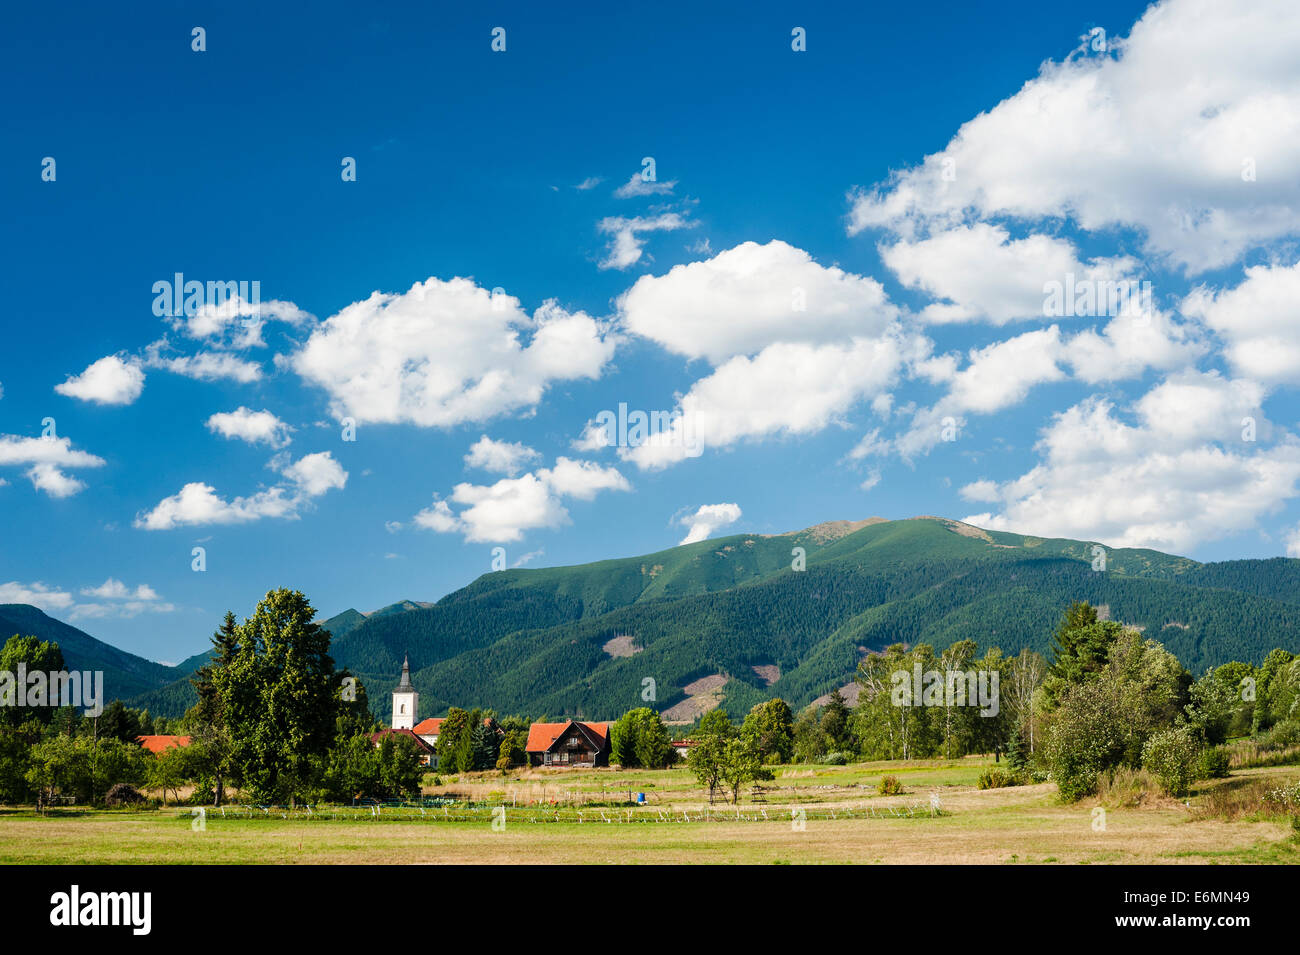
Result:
x=433 y=725
x=156 y=744
x=541 y=736
x=419 y=743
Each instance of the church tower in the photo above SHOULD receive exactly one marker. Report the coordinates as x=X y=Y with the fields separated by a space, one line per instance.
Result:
x=406 y=702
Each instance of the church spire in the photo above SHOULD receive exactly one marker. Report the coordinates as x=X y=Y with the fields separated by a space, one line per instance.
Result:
x=405 y=683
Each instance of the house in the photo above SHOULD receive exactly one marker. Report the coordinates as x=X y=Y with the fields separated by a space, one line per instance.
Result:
x=430 y=729
x=572 y=743
x=156 y=744
x=683 y=747
x=428 y=757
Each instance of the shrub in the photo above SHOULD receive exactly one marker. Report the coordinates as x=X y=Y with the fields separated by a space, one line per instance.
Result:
x=997 y=779
x=834 y=759
x=1172 y=757
x=889 y=786
x=123 y=794
x=1214 y=763
x=1125 y=787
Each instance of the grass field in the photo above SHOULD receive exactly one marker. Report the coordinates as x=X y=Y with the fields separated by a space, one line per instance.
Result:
x=842 y=820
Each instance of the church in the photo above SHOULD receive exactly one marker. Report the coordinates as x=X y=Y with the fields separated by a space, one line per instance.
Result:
x=406 y=711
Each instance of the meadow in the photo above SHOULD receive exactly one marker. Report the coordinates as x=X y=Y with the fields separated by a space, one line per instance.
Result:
x=809 y=814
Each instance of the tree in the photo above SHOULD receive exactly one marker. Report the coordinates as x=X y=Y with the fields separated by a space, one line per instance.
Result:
x=455 y=742
x=716 y=722
x=639 y=738
x=34 y=655
x=742 y=762
x=277 y=694
x=770 y=726
x=400 y=770
x=835 y=722
x=118 y=722
x=705 y=761
x=1081 y=646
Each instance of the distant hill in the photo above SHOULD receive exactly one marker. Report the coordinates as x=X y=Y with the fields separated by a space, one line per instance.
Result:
x=125 y=674
x=534 y=640
x=729 y=622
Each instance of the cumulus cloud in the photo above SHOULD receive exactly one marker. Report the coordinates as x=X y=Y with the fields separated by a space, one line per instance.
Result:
x=447 y=353
x=706 y=520
x=236 y=323
x=1181 y=474
x=198 y=504
x=984 y=275
x=112 y=380
x=37 y=594
x=505 y=511
x=255 y=427
x=46 y=459
x=626 y=244
x=750 y=296
x=786 y=390
x=1185 y=131
x=1258 y=321
x=501 y=457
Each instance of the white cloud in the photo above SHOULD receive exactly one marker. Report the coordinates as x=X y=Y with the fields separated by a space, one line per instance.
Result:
x=984 y=275
x=501 y=457
x=1258 y=320
x=636 y=187
x=1154 y=137
x=255 y=427
x=37 y=595
x=236 y=323
x=786 y=390
x=112 y=589
x=111 y=380
x=54 y=482
x=1179 y=476
x=46 y=459
x=198 y=504
x=626 y=244
x=505 y=511
x=447 y=353
x=709 y=518
x=205 y=366
x=745 y=298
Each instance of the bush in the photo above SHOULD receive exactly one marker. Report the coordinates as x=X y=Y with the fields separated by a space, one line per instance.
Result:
x=890 y=786
x=834 y=759
x=1125 y=788
x=1214 y=763
x=1172 y=756
x=997 y=779
x=123 y=794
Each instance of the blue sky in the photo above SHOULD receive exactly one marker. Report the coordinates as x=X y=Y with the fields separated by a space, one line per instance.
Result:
x=836 y=278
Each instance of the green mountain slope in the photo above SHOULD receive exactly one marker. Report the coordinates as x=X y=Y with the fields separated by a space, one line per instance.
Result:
x=534 y=640
x=125 y=674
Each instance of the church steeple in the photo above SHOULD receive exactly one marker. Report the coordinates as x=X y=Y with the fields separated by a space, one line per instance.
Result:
x=406 y=702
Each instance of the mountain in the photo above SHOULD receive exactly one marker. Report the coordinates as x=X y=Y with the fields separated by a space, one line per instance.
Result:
x=125 y=674
x=728 y=620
